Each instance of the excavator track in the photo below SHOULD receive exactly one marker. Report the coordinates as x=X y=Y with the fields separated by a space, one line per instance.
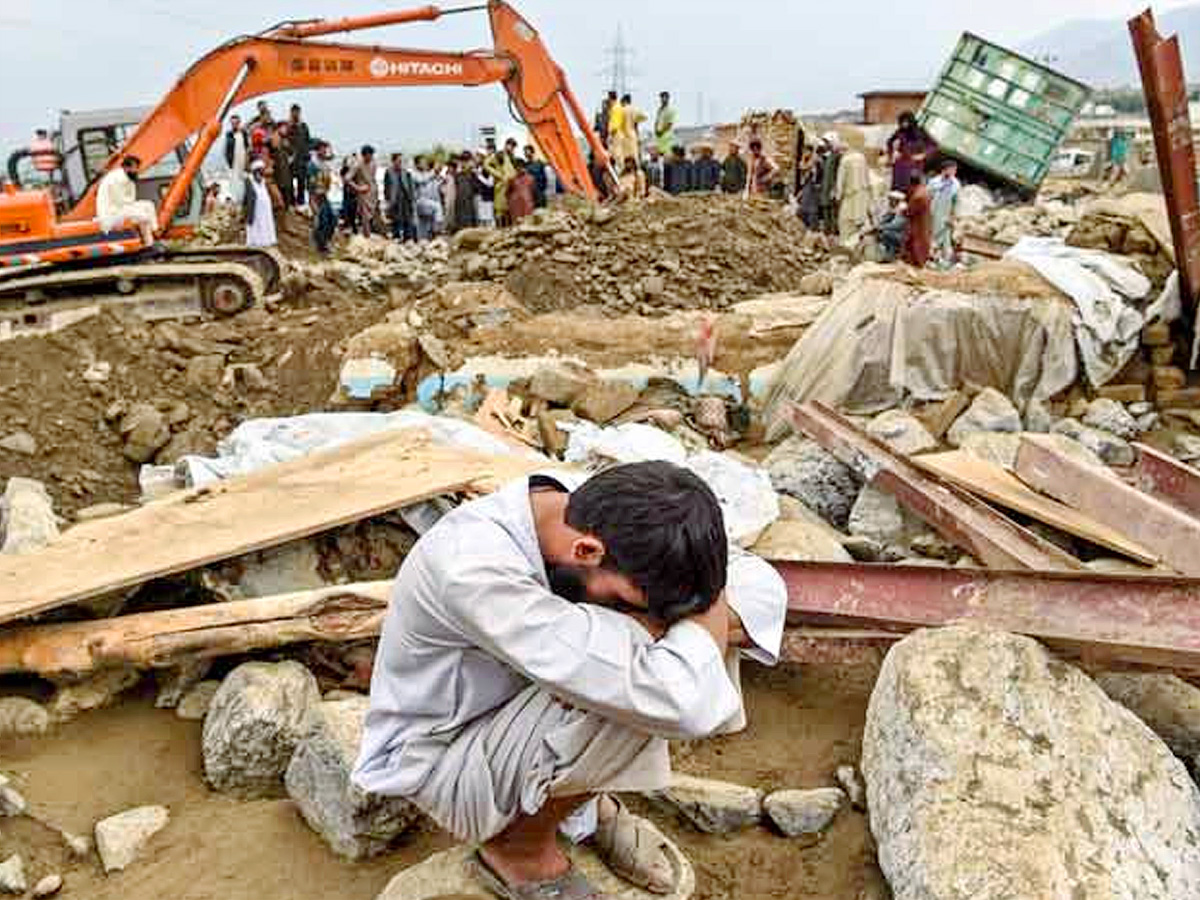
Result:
x=176 y=284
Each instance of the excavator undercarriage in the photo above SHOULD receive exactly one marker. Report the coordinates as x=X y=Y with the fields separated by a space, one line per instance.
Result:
x=172 y=284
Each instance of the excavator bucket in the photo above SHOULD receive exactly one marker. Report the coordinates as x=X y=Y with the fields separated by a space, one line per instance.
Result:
x=542 y=97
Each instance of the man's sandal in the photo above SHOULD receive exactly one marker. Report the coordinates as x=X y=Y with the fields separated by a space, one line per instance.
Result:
x=571 y=886
x=636 y=851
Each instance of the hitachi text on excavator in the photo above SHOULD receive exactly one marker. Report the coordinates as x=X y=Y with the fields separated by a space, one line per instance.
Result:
x=55 y=269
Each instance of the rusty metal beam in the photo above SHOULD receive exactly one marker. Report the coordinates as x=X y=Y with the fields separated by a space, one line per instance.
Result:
x=1107 y=619
x=1097 y=492
x=1165 y=87
x=1167 y=478
x=965 y=521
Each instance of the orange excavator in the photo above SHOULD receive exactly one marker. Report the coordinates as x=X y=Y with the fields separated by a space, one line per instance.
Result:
x=55 y=270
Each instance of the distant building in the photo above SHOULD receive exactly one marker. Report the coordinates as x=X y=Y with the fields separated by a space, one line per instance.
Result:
x=884 y=107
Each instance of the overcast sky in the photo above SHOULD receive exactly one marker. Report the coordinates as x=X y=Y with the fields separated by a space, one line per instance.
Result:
x=716 y=56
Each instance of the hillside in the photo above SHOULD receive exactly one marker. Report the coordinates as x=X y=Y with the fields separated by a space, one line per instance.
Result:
x=1099 y=52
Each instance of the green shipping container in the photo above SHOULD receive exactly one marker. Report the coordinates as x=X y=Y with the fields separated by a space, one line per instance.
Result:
x=1000 y=112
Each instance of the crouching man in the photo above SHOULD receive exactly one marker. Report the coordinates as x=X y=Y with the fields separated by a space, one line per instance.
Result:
x=541 y=647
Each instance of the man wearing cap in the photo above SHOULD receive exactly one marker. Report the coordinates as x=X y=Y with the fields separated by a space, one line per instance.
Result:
x=257 y=209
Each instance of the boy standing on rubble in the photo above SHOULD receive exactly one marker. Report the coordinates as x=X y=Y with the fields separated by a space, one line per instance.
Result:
x=540 y=649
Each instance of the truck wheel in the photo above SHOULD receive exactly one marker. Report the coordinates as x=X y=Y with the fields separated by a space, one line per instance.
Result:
x=227 y=296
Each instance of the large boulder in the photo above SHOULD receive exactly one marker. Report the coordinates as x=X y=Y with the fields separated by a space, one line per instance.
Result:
x=996 y=771
x=804 y=469
x=355 y=824
x=254 y=723
x=989 y=411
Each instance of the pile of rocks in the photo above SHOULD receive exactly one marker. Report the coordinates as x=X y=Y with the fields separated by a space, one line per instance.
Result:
x=371 y=264
x=668 y=253
x=1008 y=224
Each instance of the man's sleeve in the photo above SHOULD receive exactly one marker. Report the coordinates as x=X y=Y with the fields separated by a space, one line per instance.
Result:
x=758 y=595
x=592 y=657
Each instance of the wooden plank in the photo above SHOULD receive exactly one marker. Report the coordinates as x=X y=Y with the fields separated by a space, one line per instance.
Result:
x=1143 y=620
x=956 y=515
x=157 y=639
x=994 y=483
x=194 y=528
x=1098 y=493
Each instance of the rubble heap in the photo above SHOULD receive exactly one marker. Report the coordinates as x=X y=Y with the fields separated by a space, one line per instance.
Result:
x=669 y=253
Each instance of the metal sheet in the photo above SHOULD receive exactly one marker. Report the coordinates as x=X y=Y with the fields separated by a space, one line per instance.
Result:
x=1129 y=620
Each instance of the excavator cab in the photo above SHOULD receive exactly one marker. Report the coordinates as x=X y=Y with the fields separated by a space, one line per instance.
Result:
x=85 y=142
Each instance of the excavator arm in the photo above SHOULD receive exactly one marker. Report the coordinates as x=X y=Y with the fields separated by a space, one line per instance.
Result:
x=287 y=58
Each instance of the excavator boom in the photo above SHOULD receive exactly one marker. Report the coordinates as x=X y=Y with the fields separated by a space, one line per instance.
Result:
x=287 y=58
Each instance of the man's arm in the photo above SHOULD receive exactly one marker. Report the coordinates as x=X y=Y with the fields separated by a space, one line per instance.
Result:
x=596 y=658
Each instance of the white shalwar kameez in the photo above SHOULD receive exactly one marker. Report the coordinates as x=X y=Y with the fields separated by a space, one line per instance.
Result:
x=491 y=694
x=261 y=231
x=117 y=204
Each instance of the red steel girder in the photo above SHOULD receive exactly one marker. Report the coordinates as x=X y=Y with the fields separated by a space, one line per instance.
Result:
x=1167 y=478
x=1144 y=621
x=1165 y=87
x=960 y=518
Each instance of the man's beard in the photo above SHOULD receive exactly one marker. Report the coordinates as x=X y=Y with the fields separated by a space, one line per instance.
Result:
x=567 y=582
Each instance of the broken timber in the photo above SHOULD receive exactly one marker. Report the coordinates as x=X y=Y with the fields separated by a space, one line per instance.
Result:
x=1098 y=493
x=159 y=639
x=285 y=502
x=960 y=518
x=994 y=483
x=1139 y=621
x=1167 y=478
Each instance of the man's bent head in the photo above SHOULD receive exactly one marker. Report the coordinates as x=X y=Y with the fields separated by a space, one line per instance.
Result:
x=651 y=535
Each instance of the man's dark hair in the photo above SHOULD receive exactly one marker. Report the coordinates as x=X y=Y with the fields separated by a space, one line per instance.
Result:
x=367 y=150
x=131 y=160
x=662 y=528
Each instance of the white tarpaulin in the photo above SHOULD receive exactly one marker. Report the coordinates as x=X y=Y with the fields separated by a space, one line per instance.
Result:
x=1104 y=291
x=749 y=503
x=882 y=341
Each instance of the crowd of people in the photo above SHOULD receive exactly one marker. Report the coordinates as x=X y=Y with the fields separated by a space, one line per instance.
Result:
x=279 y=165
x=276 y=166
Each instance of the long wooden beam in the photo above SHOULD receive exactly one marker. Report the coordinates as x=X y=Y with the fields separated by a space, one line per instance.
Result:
x=960 y=518
x=190 y=529
x=159 y=639
x=1098 y=493
x=1150 y=621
